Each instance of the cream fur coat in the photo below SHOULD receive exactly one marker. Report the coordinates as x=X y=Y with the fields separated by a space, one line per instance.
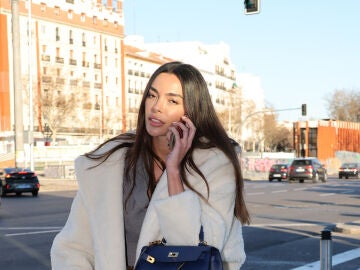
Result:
x=93 y=236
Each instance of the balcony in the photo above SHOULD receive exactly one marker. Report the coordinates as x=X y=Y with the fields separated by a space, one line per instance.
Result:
x=45 y=57
x=71 y=41
x=46 y=79
x=73 y=82
x=87 y=106
x=59 y=60
x=70 y=1
x=86 y=84
x=98 y=85
x=97 y=66
x=85 y=64
x=60 y=80
x=72 y=62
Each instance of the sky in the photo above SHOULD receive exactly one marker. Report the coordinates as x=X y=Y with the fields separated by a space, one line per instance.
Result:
x=302 y=50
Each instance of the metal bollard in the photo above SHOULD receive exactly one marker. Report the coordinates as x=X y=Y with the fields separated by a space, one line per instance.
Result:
x=325 y=250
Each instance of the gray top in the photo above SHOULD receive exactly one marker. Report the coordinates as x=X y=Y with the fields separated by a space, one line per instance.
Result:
x=134 y=210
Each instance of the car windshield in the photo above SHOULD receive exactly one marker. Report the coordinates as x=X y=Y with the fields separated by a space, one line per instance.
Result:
x=280 y=166
x=349 y=165
x=302 y=162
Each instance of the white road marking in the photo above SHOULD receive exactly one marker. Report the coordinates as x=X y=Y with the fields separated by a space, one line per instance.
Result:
x=31 y=230
x=255 y=193
x=337 y=259
x=279 y=191
x=288 y=224
x=326 y=194
x=30 y=233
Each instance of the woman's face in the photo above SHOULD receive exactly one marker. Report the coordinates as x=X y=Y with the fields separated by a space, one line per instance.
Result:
x=164 y=104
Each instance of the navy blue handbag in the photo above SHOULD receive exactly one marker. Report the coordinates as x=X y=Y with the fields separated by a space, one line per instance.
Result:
x=158 y=255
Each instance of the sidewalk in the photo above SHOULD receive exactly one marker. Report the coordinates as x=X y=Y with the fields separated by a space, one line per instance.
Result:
x=56 y=184
x=348 y=228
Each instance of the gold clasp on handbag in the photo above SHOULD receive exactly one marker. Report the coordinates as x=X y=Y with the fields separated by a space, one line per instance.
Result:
x=173 y=254
x=150 y=259
x=157 y=242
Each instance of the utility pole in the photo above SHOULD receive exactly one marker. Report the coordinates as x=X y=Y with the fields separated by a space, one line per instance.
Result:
x=31 y=96
x=18 y=101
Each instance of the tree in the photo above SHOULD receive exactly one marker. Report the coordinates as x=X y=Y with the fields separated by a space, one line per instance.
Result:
x=344 y=105
x=278 y=138
x=57 y=102
x=231 y=116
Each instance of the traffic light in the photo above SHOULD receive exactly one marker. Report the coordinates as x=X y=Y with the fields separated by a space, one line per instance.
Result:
x=303 y=109
x=252 y=6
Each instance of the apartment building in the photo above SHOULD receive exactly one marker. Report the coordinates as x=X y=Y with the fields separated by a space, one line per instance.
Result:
x=68 y=49
x=140 y=63
x=74 y=53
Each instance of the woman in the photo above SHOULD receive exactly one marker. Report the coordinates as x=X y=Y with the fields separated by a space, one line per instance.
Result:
x=138 y=188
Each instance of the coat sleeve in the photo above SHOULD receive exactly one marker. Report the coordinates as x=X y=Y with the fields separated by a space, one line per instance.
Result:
x=72 y=247
x=181 y=216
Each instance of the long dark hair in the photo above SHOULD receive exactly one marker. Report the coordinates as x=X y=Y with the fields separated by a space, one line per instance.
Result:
x=199 y=108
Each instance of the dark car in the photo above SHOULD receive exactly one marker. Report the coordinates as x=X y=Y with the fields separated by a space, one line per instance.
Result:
x=17 y=180
x=307 y=169
x=279 y=172
x=349 y=170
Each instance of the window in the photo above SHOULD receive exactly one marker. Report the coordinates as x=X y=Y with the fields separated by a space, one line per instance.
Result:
x=43 y=7
x=71 y=40
x=57 y=10
x=94 y=20
x=312 y=142
x=105 y=45
x=83 y=39
x=82 y=17
x=57 y=33
x=70 y=14
x=43 y=48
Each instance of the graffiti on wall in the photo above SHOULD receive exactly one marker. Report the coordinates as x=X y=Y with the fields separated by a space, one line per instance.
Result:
x=260 y=165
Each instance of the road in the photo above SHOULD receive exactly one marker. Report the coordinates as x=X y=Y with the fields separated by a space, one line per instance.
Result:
x=287 y=220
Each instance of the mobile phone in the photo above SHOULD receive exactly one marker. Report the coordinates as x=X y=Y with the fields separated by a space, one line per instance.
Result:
x=172 y=136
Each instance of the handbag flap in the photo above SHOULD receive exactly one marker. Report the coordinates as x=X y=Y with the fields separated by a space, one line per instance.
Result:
x=161 y=253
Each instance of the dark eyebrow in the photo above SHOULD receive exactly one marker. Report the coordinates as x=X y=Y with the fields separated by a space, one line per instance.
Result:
x=168 y=94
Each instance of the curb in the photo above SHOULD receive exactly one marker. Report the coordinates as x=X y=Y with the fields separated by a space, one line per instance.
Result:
x=348 y=228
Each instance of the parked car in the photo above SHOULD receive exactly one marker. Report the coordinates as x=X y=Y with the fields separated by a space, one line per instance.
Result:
x=307 y=169
x=18 y=180
x=349 y=170
x=279 y=172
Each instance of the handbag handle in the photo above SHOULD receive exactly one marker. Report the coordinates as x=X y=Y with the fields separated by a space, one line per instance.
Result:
x=202 y=242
